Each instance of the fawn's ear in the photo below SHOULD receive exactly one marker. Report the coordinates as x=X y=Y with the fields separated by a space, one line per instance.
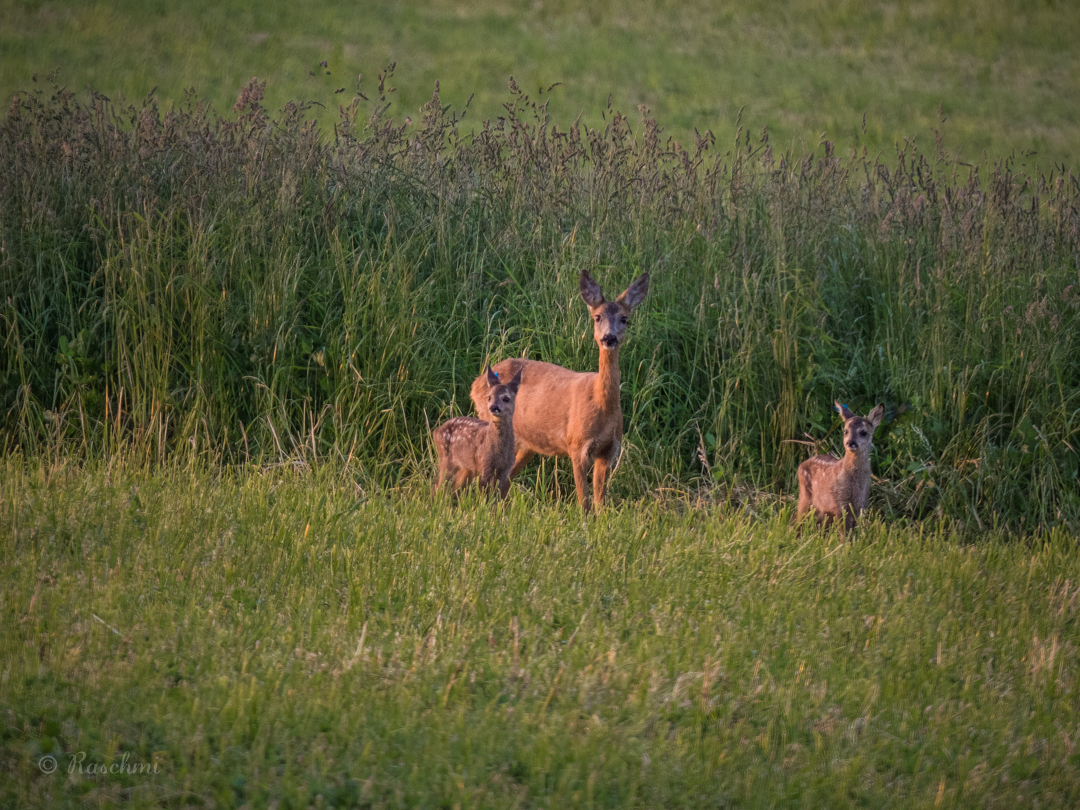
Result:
x=515 y=383
x=590 y=290
x=635 y=293
x=845 y=411
x=492 y=377
x=874 y=417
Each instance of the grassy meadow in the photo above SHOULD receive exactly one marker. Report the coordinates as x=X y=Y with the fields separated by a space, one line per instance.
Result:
x=289 y=640
x=995 y=77
x=231 y=315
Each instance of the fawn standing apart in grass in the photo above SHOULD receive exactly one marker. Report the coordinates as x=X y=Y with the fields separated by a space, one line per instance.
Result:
x=570 y=413
x=472 y=448
x=835 y=487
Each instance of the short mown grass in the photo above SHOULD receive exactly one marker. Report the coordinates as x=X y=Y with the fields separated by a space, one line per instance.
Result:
x=291 y=637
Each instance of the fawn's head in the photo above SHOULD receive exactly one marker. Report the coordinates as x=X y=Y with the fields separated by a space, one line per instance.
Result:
x=610 y=318
x=859 y=430
x=501 y=397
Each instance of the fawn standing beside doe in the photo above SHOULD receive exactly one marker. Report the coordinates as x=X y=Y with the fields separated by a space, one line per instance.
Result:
x=835 y=487
x=472 y=448
x=571 y=413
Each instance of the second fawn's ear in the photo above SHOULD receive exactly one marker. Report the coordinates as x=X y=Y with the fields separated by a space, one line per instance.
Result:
x=874 y=417
x=590 y=290
x=515 y=383
x=845 y=411
x=492 y=377
x=636 y=292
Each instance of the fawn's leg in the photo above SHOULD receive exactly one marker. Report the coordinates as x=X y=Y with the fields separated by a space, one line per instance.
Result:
x=805 y=491
x=849 y=520
x=444 y=472
x=461 y=478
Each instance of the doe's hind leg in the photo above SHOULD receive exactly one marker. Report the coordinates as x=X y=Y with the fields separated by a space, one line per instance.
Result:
x=522 y=457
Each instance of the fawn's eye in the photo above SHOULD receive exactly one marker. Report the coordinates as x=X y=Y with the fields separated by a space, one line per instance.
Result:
x=862 y=433
x=624 y=320
x=597 y=319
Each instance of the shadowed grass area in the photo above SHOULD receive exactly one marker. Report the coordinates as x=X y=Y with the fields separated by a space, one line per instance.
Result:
x=280 y=636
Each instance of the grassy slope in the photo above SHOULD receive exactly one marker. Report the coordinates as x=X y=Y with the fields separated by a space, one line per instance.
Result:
x=278 y=637
x=1003 y=75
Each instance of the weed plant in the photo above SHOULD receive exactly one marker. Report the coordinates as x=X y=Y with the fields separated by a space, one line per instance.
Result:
x=249 y=288
x=288 y=639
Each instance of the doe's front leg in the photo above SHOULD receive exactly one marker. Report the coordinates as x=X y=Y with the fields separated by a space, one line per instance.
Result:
x=581 y=470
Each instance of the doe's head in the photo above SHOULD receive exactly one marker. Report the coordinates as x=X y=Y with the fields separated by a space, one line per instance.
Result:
x=501 y=397
x=859 y=430
x=610 y=318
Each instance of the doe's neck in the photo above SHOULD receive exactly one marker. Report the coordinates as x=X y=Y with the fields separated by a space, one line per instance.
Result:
x=608 y=380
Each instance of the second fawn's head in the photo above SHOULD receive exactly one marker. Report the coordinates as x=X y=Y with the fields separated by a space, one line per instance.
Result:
x=859 y=430
x=501 y=397
x=610 y=318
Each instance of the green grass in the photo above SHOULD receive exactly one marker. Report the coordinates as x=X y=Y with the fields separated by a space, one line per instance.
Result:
x=225 y=336
x=994 y=77
x=280 y=636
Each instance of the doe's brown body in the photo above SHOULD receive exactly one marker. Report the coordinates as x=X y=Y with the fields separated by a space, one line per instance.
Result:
x=574 y=413
x=840 y=487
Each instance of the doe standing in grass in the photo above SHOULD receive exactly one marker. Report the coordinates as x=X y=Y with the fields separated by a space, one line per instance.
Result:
x=471 y=448
x=840 y=487
x=575 y=413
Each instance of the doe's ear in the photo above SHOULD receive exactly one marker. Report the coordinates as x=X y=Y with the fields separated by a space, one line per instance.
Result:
x=515 y=383
x=636 y=292
x=845 y=411
x=492 y=377
x=590 y=290
x=874 y=417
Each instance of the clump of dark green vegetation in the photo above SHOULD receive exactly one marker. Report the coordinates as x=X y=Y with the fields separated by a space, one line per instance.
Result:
x=247 y=287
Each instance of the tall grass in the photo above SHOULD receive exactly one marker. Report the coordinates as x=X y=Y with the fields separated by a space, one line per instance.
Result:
x=248 y=287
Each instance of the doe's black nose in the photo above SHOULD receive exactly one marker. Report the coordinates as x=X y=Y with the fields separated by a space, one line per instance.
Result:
x=610 y=341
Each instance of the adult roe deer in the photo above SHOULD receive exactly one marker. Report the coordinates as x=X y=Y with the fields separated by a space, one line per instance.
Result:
x=835 y=487
x=471 y=448
x=574 y=413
